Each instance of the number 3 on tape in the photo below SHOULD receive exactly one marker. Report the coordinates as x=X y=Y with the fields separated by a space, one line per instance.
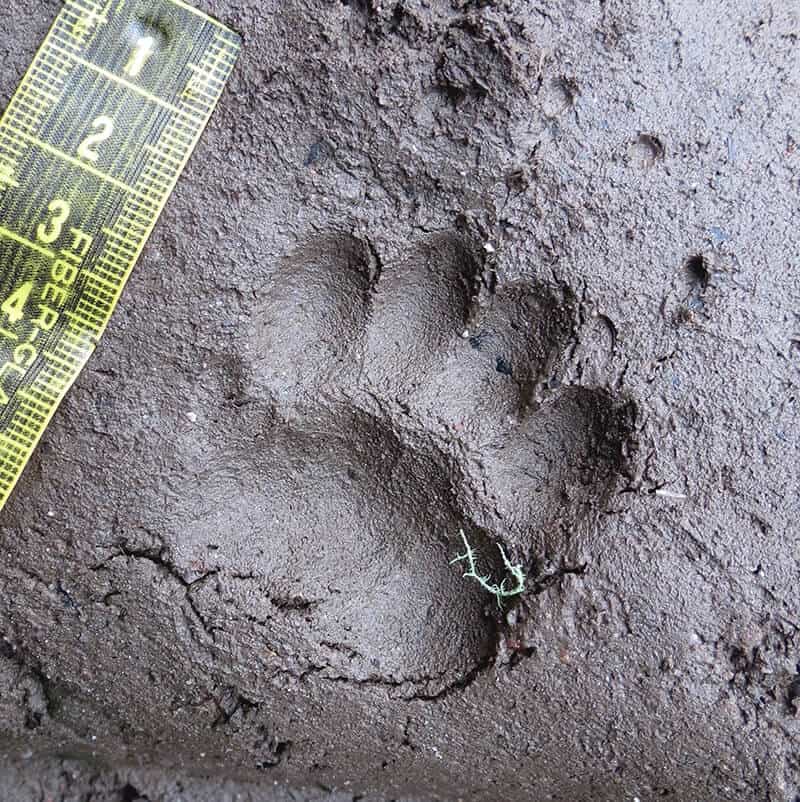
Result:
x=91 y=146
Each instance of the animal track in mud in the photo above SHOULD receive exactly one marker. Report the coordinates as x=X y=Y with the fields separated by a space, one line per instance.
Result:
x=381 y=413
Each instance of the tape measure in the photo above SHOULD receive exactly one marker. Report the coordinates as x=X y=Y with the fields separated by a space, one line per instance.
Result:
x=91 y=145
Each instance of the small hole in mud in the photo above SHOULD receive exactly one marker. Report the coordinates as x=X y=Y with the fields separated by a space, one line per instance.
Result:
x=131 y=794
x=646 y=150
x=793 y=694
x=33 y=720
x=503 y=366
x=697 y=272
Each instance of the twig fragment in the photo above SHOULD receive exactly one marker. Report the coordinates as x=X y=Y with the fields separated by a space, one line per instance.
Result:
x=500 y=591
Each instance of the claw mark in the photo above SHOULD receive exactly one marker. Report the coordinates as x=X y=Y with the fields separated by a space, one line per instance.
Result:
x=499 y=591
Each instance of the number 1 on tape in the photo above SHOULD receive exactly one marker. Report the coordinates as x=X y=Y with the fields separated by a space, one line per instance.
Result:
x=91 y=145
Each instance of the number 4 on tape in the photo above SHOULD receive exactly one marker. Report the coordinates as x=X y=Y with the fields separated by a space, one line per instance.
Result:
x=91 y=145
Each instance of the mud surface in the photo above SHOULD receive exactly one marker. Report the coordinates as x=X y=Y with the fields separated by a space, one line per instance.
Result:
x=526 y=271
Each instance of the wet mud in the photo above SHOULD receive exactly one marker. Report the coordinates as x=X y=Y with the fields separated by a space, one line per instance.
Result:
x=520 y=274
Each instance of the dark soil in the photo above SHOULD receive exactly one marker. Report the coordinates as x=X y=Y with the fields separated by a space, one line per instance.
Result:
x=521 y=270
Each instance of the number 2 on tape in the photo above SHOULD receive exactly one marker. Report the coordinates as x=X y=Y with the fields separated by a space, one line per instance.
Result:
x=91 y=145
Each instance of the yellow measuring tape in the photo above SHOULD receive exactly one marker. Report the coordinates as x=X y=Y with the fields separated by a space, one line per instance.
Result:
x=91 y=145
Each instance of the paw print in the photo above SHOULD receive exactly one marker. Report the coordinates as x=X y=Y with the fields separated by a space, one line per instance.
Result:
x=382 y=416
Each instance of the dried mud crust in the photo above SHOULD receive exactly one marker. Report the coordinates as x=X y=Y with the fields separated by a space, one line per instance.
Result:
x=380 y=412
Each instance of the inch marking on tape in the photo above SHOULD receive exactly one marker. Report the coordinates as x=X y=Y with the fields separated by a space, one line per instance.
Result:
x=92 y=144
